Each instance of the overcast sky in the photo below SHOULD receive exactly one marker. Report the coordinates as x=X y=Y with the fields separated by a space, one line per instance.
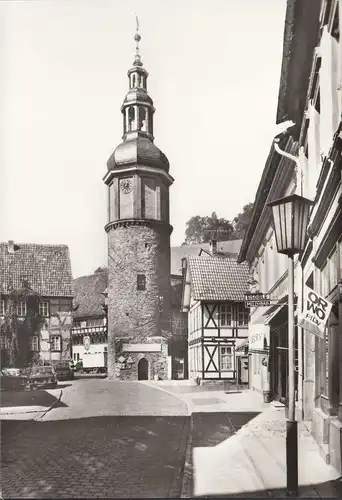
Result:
x=214 y=76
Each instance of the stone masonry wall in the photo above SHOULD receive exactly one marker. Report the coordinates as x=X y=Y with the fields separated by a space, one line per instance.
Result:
x=134 y=315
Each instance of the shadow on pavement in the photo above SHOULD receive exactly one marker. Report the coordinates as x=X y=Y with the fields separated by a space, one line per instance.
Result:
x=210 y=429
x=28 y=398
x=116 y=457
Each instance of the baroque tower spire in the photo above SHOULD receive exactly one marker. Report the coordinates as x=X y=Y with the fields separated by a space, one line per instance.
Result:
x=138 y=228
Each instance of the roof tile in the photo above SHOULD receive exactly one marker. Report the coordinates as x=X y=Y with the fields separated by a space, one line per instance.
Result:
x=217 y=278
x=46 y=269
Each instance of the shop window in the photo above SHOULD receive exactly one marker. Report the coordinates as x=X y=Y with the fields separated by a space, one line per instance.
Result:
x=226 y=363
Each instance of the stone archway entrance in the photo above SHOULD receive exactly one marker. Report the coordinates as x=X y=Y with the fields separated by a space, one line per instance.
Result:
x=143 y=369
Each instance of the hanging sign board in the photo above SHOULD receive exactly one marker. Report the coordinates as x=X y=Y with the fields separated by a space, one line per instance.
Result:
x=86 y=342
x=257 y=300
x=316 y=311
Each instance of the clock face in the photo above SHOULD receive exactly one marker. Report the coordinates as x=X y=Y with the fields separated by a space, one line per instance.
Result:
x=126 y=185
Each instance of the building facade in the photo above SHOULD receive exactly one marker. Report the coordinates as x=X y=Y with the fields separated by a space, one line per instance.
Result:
x=37 y=290
x=213 y=296
x=310 y=95
x=89 y=332
x=139 y=285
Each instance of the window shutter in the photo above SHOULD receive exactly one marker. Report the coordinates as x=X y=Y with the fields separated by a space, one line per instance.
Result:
x=314 y=161
x=328 y=90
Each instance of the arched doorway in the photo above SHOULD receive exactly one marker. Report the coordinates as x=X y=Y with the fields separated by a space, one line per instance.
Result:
x=143 y=369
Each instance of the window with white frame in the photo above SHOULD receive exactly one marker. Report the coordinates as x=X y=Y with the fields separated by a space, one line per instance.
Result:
x=2 y=307
x=55 y=343
x=226 y=358
x=243 y=315
x=21 y=308
x=44 y=309
x=226 y=315
x=33 y=343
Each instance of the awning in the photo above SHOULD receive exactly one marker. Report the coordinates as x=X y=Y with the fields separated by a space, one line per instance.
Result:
x=273 y=314
x=258 y=334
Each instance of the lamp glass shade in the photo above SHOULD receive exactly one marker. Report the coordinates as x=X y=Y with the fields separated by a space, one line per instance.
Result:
x=290 y=218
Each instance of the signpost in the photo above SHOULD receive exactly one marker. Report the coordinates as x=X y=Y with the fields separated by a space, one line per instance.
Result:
x=257 y=300
x=315 y=313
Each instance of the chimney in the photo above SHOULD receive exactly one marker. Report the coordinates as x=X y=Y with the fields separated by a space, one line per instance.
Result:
x=213 y=247
x=10 y=246
x=183 y=265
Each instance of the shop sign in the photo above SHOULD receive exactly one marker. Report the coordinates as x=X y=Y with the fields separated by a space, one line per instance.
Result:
x=315 y=313
x=257 y=300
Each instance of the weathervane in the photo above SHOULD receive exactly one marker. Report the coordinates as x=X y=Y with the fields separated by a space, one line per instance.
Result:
x=137 y=38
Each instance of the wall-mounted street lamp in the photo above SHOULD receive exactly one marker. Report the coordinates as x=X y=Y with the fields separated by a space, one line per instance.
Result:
x=290 y=218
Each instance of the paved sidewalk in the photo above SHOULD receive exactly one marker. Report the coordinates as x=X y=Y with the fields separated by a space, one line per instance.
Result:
x=27 y=404
x=237 y=447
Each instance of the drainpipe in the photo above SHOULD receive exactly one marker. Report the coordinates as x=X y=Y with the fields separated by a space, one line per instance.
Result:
x=300 y=336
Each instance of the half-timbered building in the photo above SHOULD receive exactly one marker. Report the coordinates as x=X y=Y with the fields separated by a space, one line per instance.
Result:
x=89 y=333
x=213 y=296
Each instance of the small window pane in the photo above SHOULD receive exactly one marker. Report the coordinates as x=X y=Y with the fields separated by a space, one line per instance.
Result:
x=141 y=282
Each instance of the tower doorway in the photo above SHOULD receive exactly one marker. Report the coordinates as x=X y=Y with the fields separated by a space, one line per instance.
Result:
x=143 y=369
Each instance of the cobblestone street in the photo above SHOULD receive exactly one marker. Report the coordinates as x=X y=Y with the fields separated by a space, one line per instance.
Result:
x=120 y=456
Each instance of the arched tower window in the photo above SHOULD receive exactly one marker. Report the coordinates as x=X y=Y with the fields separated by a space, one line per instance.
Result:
x=131 y=117
x=142 y=119
x=133 y=81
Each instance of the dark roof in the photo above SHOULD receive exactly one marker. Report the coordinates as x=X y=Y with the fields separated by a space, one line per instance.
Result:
x=45 y=268
x=228 y=248
x=138 y=150
x=301 y=34
x=89 y=299
x=214 y=278
x=286 y=143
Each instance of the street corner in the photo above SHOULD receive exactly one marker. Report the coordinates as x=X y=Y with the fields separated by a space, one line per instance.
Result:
x=29 y=402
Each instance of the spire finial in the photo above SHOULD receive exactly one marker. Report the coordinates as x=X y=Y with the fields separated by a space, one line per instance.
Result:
x=137 y=38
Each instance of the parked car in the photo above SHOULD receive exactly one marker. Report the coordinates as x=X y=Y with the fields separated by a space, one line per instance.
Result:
x=43 y=376
x=64 y=371
x=13 y=380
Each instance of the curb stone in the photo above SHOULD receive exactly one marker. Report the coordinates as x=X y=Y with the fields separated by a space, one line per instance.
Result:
x=177 y=482
x=186 y=489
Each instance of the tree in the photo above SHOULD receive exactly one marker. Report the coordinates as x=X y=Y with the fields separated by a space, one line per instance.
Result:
x=200 y=229
x=242 y=221
x=17 y=331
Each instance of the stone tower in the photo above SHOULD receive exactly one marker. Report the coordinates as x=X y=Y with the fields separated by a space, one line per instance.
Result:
x=139 y=290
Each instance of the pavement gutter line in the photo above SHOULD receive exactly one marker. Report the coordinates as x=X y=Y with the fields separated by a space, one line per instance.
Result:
x=42 y=414
x=177 y=396
x=177 y=482
x=188 y=466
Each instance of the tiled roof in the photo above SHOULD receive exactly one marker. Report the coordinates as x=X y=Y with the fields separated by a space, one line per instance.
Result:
x=89 y=294
x=214 y=278
x=45 y=268
x=231 y=247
